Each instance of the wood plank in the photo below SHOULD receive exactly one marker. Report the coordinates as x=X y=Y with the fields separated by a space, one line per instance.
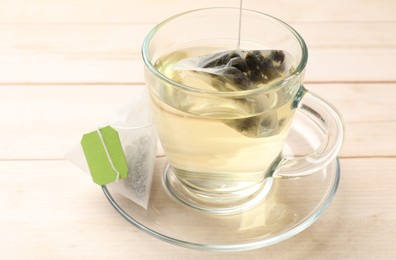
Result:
x=363 y=209
x=351 y=35
x=331 y=66
x=371 y=102
x=111 y=53
x=126 y=11
x=369 y=139
x=66 y=66
x=50 y=210
x=351 y=65
x=48 y=121
x=40 y=122
x=368 y=111
x=127 y=38
x=70 y=69
x=70 y=53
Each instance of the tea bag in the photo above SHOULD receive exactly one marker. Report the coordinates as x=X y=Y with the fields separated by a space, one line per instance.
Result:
x=238 y=70
x=138 y=140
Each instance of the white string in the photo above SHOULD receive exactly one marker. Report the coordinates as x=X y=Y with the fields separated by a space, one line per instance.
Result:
x=108 y=155
x=240 y=26
x=105 y=147
x=131 y=127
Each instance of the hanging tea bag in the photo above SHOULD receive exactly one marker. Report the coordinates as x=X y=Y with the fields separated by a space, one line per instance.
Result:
x=238 y=70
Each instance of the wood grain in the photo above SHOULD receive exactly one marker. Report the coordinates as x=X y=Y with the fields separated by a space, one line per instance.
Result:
x=55 y=211
x=41 y=122
x=67 y=66
x=107 y=53
x=139 y=11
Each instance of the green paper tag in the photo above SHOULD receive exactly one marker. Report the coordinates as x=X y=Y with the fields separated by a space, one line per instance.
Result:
x=102 y=167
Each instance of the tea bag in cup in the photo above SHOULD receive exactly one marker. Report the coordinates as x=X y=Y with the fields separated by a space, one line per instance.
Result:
x=238 y=70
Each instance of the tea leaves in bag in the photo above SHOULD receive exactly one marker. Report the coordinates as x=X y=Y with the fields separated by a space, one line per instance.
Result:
x=238 y=70
x=241 y=70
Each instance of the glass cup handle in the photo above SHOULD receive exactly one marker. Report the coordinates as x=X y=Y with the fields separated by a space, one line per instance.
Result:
x=329 y=121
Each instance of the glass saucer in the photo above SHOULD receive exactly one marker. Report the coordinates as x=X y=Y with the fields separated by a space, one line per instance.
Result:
x=291 y=206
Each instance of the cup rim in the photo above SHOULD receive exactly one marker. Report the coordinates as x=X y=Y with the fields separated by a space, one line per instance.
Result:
x=299 y=69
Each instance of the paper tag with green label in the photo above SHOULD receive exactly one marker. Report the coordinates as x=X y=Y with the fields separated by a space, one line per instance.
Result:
x=104 y=155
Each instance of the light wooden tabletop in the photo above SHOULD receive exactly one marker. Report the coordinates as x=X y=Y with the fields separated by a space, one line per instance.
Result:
x=67 y=65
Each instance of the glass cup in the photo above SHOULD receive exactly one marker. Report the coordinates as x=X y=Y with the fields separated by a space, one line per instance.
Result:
x=225 y=147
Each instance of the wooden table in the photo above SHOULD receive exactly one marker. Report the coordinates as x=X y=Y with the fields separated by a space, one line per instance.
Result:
x=65 y=66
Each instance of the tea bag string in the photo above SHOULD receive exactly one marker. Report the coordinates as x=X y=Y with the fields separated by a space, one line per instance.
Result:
x=107 y=151
x=108 y=155
x=131 y=127
x=240 y=26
